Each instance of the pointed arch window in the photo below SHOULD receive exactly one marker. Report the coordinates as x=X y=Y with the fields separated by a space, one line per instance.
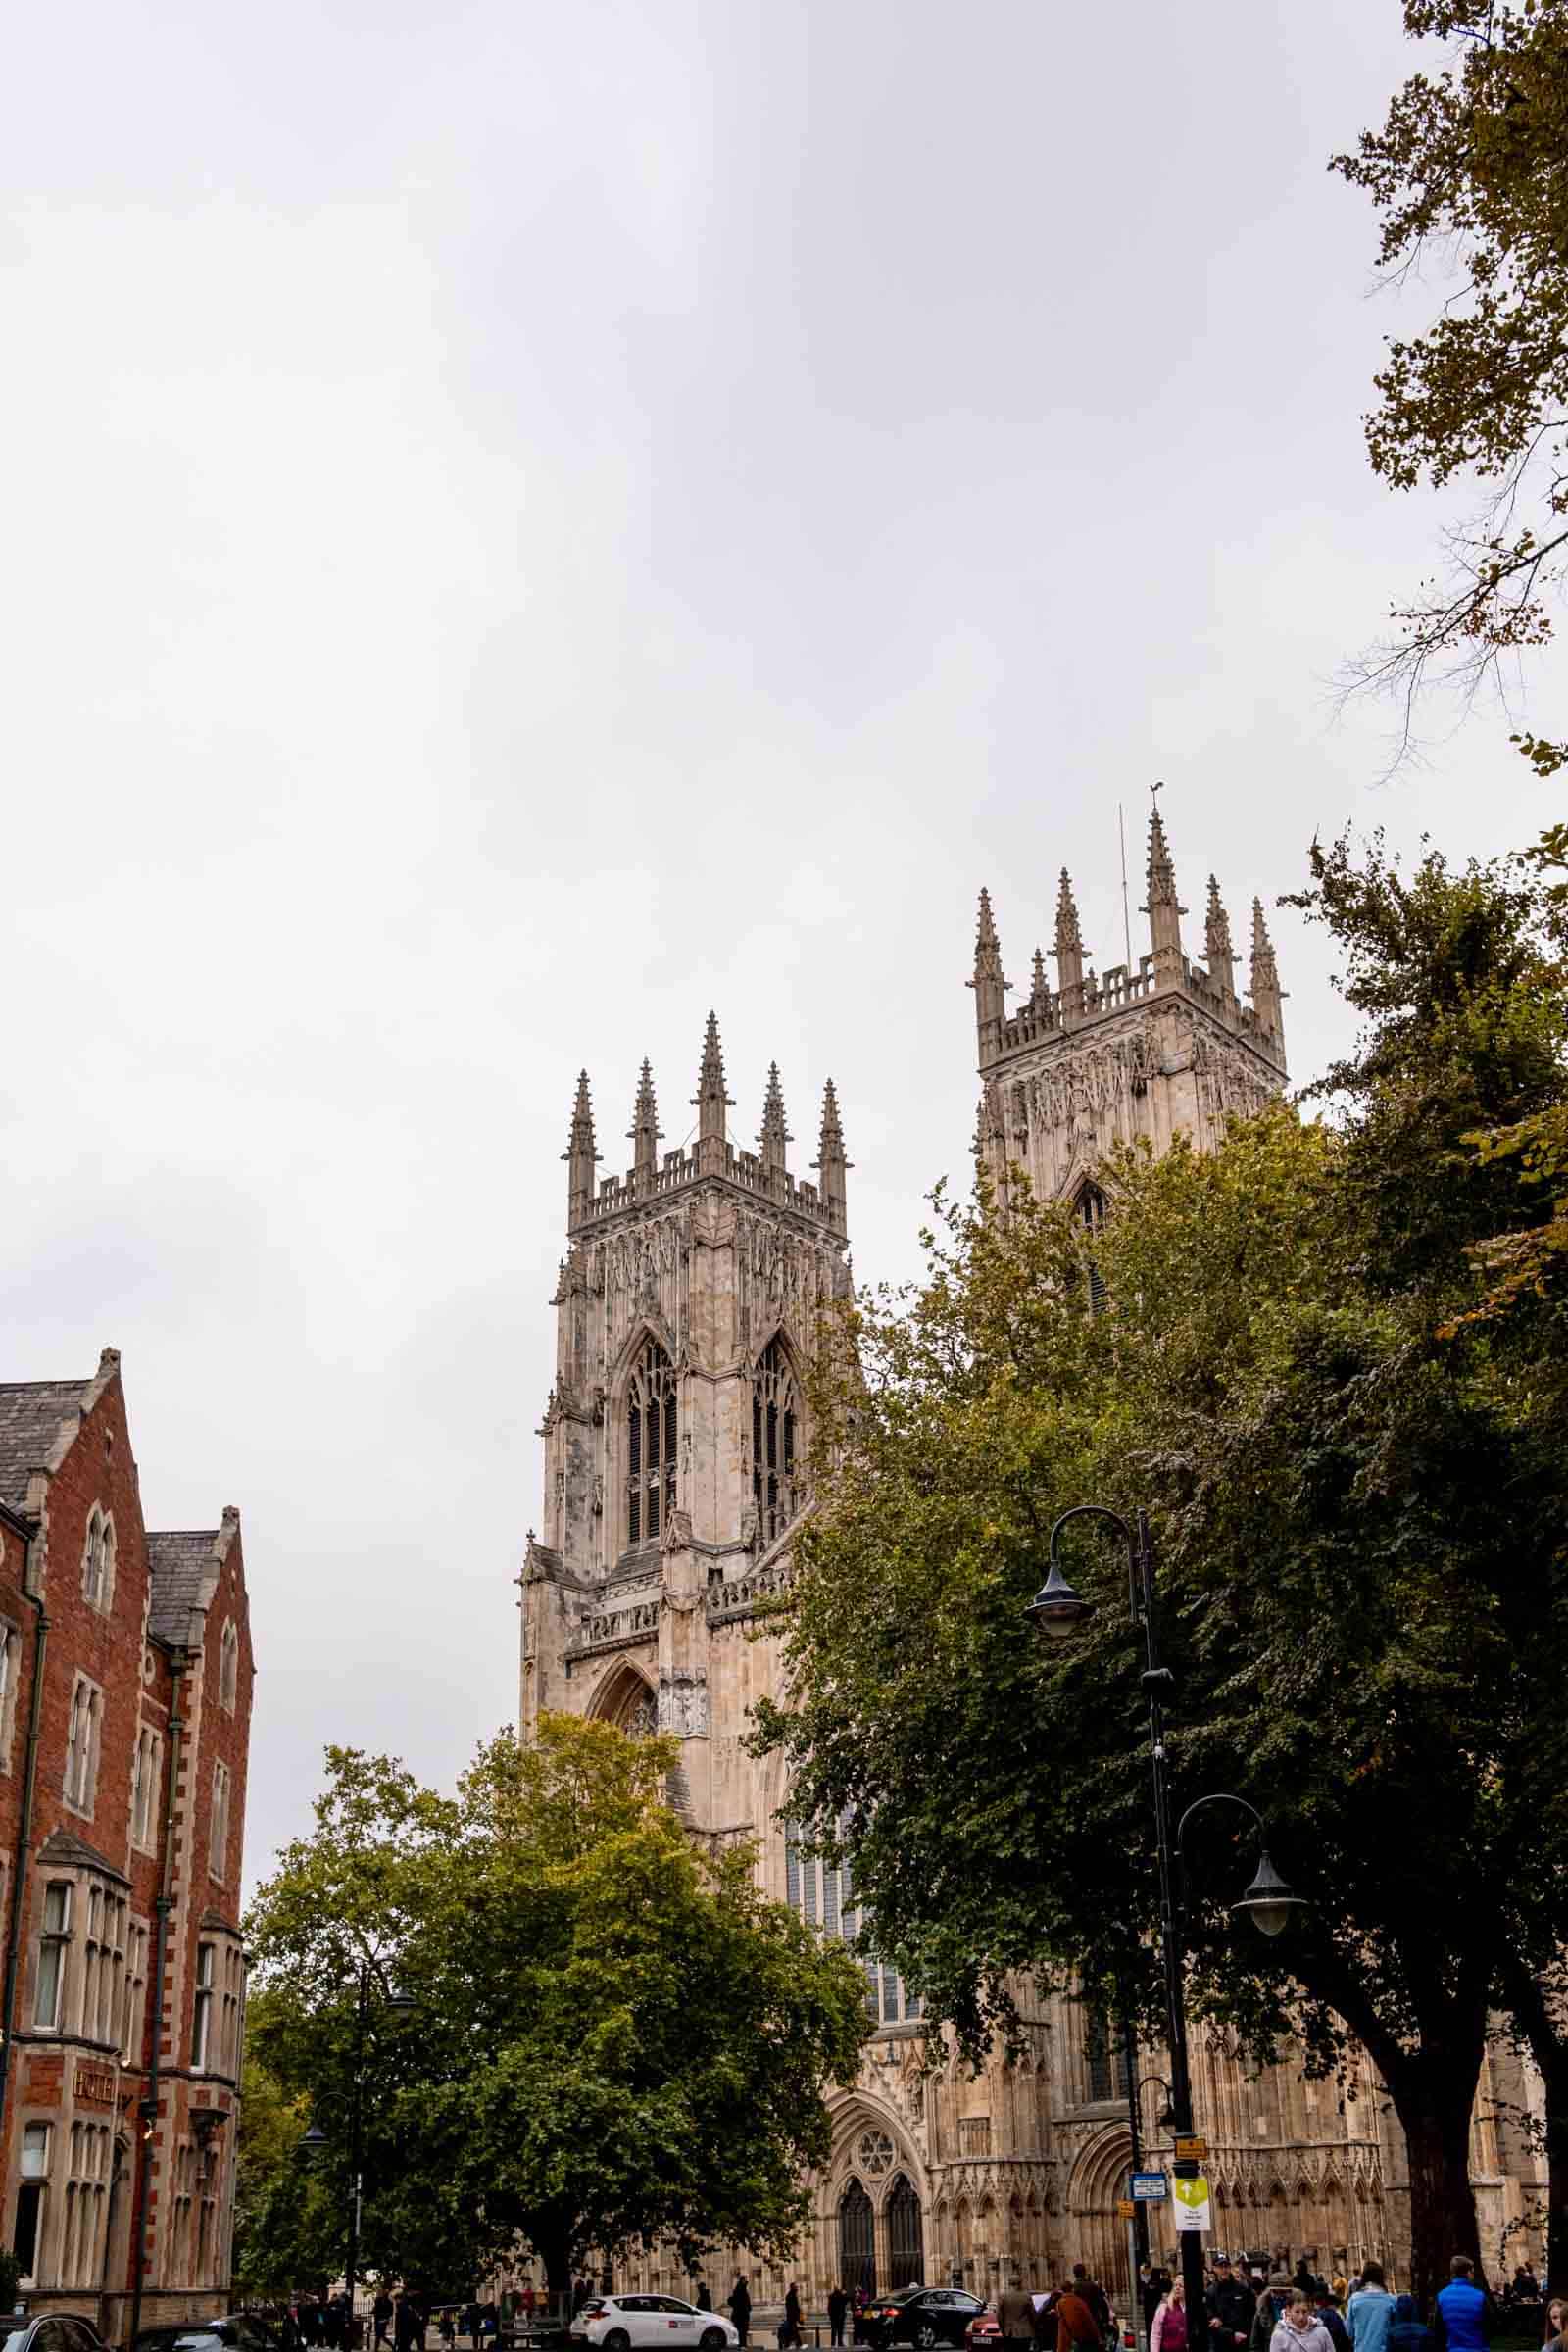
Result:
x=776 y=1431
x=652 y=1431
x=1089 y=1207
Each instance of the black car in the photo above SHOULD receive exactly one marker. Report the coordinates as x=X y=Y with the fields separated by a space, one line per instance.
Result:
x=923 y=2316
x=54 y=2332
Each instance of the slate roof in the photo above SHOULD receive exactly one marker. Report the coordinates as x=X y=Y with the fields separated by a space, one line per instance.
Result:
x=64 y=1845
x=30 y=1414
x=182 y=1564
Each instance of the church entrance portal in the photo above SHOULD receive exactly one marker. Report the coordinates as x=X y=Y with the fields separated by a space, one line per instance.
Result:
x=856 y=2240
x=905 y=2237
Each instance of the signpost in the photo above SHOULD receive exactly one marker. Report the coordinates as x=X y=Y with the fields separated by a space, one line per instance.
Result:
x=1193 y=2209
x=1150 y=2188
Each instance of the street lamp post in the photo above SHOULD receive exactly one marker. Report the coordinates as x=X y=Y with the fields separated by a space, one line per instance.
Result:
x=1058 y=1610
x=314 y=2140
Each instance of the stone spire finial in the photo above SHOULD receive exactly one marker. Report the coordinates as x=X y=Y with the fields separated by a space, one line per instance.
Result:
x=580 y=1156
x=1218 y=952
x=1069 y=945
x=830 y=1163
x=1266 y=993
x=1039 y=987
x=645 y=1131
x=775 y=1133
x=1163 y=909
x=711 y=1100
x=990 y=988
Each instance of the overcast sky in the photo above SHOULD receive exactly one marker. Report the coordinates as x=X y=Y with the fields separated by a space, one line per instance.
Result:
x=521 y=524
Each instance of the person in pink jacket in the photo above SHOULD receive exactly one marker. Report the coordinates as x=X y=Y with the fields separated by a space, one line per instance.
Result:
x=1169 y=2331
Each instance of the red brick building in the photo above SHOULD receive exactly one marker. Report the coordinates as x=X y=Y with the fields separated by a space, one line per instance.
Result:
x=125 y=1679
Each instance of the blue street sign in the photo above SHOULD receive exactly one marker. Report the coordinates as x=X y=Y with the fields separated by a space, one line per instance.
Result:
x=1149 y=2188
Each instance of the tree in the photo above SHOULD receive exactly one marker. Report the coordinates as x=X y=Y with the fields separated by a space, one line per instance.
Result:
x=617 y=2038
x=1471 y=164
x=1360 y=1525
x=287 y=2232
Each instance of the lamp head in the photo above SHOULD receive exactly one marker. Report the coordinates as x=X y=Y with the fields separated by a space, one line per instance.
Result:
x=1268 y=1902
x=1057 y=1609
x=314 y=2143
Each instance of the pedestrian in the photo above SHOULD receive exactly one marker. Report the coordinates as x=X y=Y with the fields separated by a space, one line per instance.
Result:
x=1016 y=2317
x=1462 y=2319
x=1369 y=2314
x=402 y=2322
x=1231 y=2308
x=838 y=2311
x=1095 y=2295
x=1076 y=2325
x=446 y=2326
x=1302 y=2278
x=1169 y=2331
x=381 y=2312
x=740 y=2308
x=704 y=2300
x=1301 y=2329
x=1333 y=2319
x=1271 y=2311
x=789 y=2333
x=580 y=2292
x=332 y=2324
x=1556 y=2319
x=1407 y=2335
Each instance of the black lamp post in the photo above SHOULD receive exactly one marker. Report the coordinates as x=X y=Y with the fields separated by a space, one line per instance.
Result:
x=314 y=2140
x=1058 y=1610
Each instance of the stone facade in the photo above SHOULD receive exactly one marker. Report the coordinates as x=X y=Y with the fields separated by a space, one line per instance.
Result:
x=686 y=1305
x=126 y=1682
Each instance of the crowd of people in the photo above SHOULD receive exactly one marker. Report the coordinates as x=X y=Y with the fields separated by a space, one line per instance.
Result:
x=1250 y=2311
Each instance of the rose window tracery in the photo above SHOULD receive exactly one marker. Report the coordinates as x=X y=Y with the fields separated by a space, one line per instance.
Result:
x=876 y=2153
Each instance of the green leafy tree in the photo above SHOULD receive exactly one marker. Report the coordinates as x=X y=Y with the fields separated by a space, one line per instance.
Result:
x=1359 y=1523
x=287 y=2232
x=614 y=2037
x=1471 y=167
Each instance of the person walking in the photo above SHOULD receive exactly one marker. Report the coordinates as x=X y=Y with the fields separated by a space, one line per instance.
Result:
x=1333 y=2317
x=381 y=2313
x=1169 y=2330
x=1016 y=2317
x=1301 y=2329
x=838 y=2311
x=1271 y=2311
x=1231 y=2307
x=1369 y=2314
x=789 y=2335
x=703 y=2300
x=1462 y=2318
x=740 y=2308
x=1407 y=2333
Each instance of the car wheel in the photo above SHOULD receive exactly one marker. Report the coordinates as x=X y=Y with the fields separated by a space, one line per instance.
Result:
x=618 y=2340
x=711 y=2339
x=925 y=2335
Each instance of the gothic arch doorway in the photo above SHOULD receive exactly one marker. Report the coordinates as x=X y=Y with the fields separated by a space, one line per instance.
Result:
x=1099 y=2181
x=906 y=2237
x=627 y=1701
x=856 y=2239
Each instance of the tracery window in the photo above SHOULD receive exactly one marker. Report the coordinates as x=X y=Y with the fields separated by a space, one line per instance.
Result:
x=1089 y=1207
x=775 y=1424
x=651 y=1436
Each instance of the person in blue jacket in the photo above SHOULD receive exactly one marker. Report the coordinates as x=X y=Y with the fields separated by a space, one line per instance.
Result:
x=1406 y=2333
x=1462 y=2319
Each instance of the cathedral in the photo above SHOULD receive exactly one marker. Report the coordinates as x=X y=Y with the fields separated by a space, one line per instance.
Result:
x=673 y=1440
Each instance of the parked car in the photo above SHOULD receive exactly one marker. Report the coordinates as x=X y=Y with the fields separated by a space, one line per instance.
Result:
x=53 y=2331
x=922 y=2316
x=984 y=2331
x=627 y=2323
x=235 y=2332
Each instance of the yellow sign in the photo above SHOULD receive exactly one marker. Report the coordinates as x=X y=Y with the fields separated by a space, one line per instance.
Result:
x=1193 y=2211
x=1126 y=2210
x=1192 y=2151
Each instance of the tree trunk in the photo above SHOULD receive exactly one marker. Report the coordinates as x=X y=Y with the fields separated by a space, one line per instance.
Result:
x=1553 y=2064
x=556 y=2255
x=1433 y=2097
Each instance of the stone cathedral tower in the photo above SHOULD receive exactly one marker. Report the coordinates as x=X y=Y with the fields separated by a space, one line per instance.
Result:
x=689 y=1299
x=1168 y=1050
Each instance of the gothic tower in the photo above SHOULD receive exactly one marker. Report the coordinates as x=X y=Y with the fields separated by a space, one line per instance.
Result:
x=688 y=1303
x=1163 y=1051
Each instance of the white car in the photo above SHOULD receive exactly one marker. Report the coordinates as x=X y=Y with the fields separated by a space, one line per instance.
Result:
x=628 y=2323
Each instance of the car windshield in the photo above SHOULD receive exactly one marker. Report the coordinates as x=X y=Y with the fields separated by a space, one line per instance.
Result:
x=13 y=2339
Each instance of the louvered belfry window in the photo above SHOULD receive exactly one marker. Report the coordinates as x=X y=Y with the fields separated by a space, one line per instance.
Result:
x=651 y=1428
x=775 y=1422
